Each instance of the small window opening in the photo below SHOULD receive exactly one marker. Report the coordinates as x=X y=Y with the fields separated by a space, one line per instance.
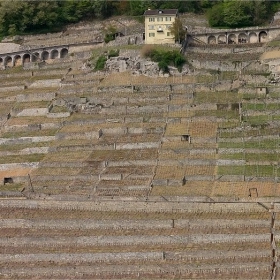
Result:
x=253 y=192
x=186 y=137
x=8 y=180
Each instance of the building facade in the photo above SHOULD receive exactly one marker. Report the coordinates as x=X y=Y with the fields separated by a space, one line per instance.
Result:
x=158 y=24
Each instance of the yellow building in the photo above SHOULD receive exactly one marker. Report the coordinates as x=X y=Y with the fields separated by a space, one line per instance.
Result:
x=157 y=26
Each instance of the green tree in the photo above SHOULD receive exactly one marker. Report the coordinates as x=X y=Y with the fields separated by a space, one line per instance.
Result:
x=178 y=31
x=236 y=14
x=215 y=15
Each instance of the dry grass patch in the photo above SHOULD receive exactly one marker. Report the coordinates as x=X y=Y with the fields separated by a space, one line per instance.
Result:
x=128 y=170
x=13 y=187
x=33 y=120
x=5 y=108
x=180 y=114
x=200 y=188
x=126 y=78
x=207 y=170
x=170 y=172
x=217 y=97
x=21 y=158
x=203 y=129
x=175 y=145
x=177 y=129
x=123 y=155
x=194 y=129
x=79 y=128
x=123 y=183
x=14 y=172
x=19 y=147
x=56 y=171
x=70 y=156
x=33 y=104
x=244 y=189
x=31 y=133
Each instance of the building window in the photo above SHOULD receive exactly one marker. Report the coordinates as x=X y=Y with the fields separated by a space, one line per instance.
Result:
x=151 y=19
x=168 y=26
x=160 y=19
x=168 y=19
x=151 y=27
x=151 y=34
x=168 y=33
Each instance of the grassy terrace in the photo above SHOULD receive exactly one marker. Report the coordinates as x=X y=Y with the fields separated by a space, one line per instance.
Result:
x=261 y=106
x=219 y=97
x=258 y=156
x=33 y=104
x=44 y=132
x=248 y=170
x=21 y=158
x=27 y=120
x=245 y=132
x=257 y=144
x=19 y=147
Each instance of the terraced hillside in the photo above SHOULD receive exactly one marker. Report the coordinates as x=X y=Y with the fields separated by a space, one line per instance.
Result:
x=111 y=176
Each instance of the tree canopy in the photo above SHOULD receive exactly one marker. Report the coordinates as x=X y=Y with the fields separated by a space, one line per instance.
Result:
x=22 y=16
x=239 y=13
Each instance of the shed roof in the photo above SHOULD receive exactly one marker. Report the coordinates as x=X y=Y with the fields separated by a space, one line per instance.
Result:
x=158 y=11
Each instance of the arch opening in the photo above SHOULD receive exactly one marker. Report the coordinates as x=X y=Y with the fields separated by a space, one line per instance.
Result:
x=35 y=57
x=45 y=55
x=17 y=60
x=63 y=53
x=232 y=39
x=8 y=61
x=222 y=39
x=26 y=58
x=253 y=38
x=242 y=38
x=212 y=40
x=262 y=37
x=54 y=54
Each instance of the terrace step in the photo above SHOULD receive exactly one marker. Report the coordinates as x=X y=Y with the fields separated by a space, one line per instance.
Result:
x=255 y=270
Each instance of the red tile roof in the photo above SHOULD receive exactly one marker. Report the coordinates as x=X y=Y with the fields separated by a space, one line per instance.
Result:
x=161 y=12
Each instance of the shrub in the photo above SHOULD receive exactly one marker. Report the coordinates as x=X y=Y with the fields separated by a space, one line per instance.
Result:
x=164 y=58
x=108 y=37
x=147 y=50
x=100 y=63
x=110 y=34
x=113 y=53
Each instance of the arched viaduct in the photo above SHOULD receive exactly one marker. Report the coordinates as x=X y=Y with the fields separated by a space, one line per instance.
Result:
x=32 y=55
x=237 y=36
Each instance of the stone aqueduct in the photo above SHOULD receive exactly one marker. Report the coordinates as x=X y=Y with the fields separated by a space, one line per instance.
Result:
x=248 y=35
x=238 y=37
x=34 y=55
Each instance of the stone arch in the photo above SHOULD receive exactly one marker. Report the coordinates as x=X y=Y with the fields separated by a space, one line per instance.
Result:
x=232 y=39
x=54 y=54
x=212 y=40
x=63 y=52
x=26 y=58
x=35 y=57
x=222 y=39
x=45 y=55
x=8 y=61
x=242 y=38
x=253 y=37
x=262 y=36
x=1 y=61
x=17 y=60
